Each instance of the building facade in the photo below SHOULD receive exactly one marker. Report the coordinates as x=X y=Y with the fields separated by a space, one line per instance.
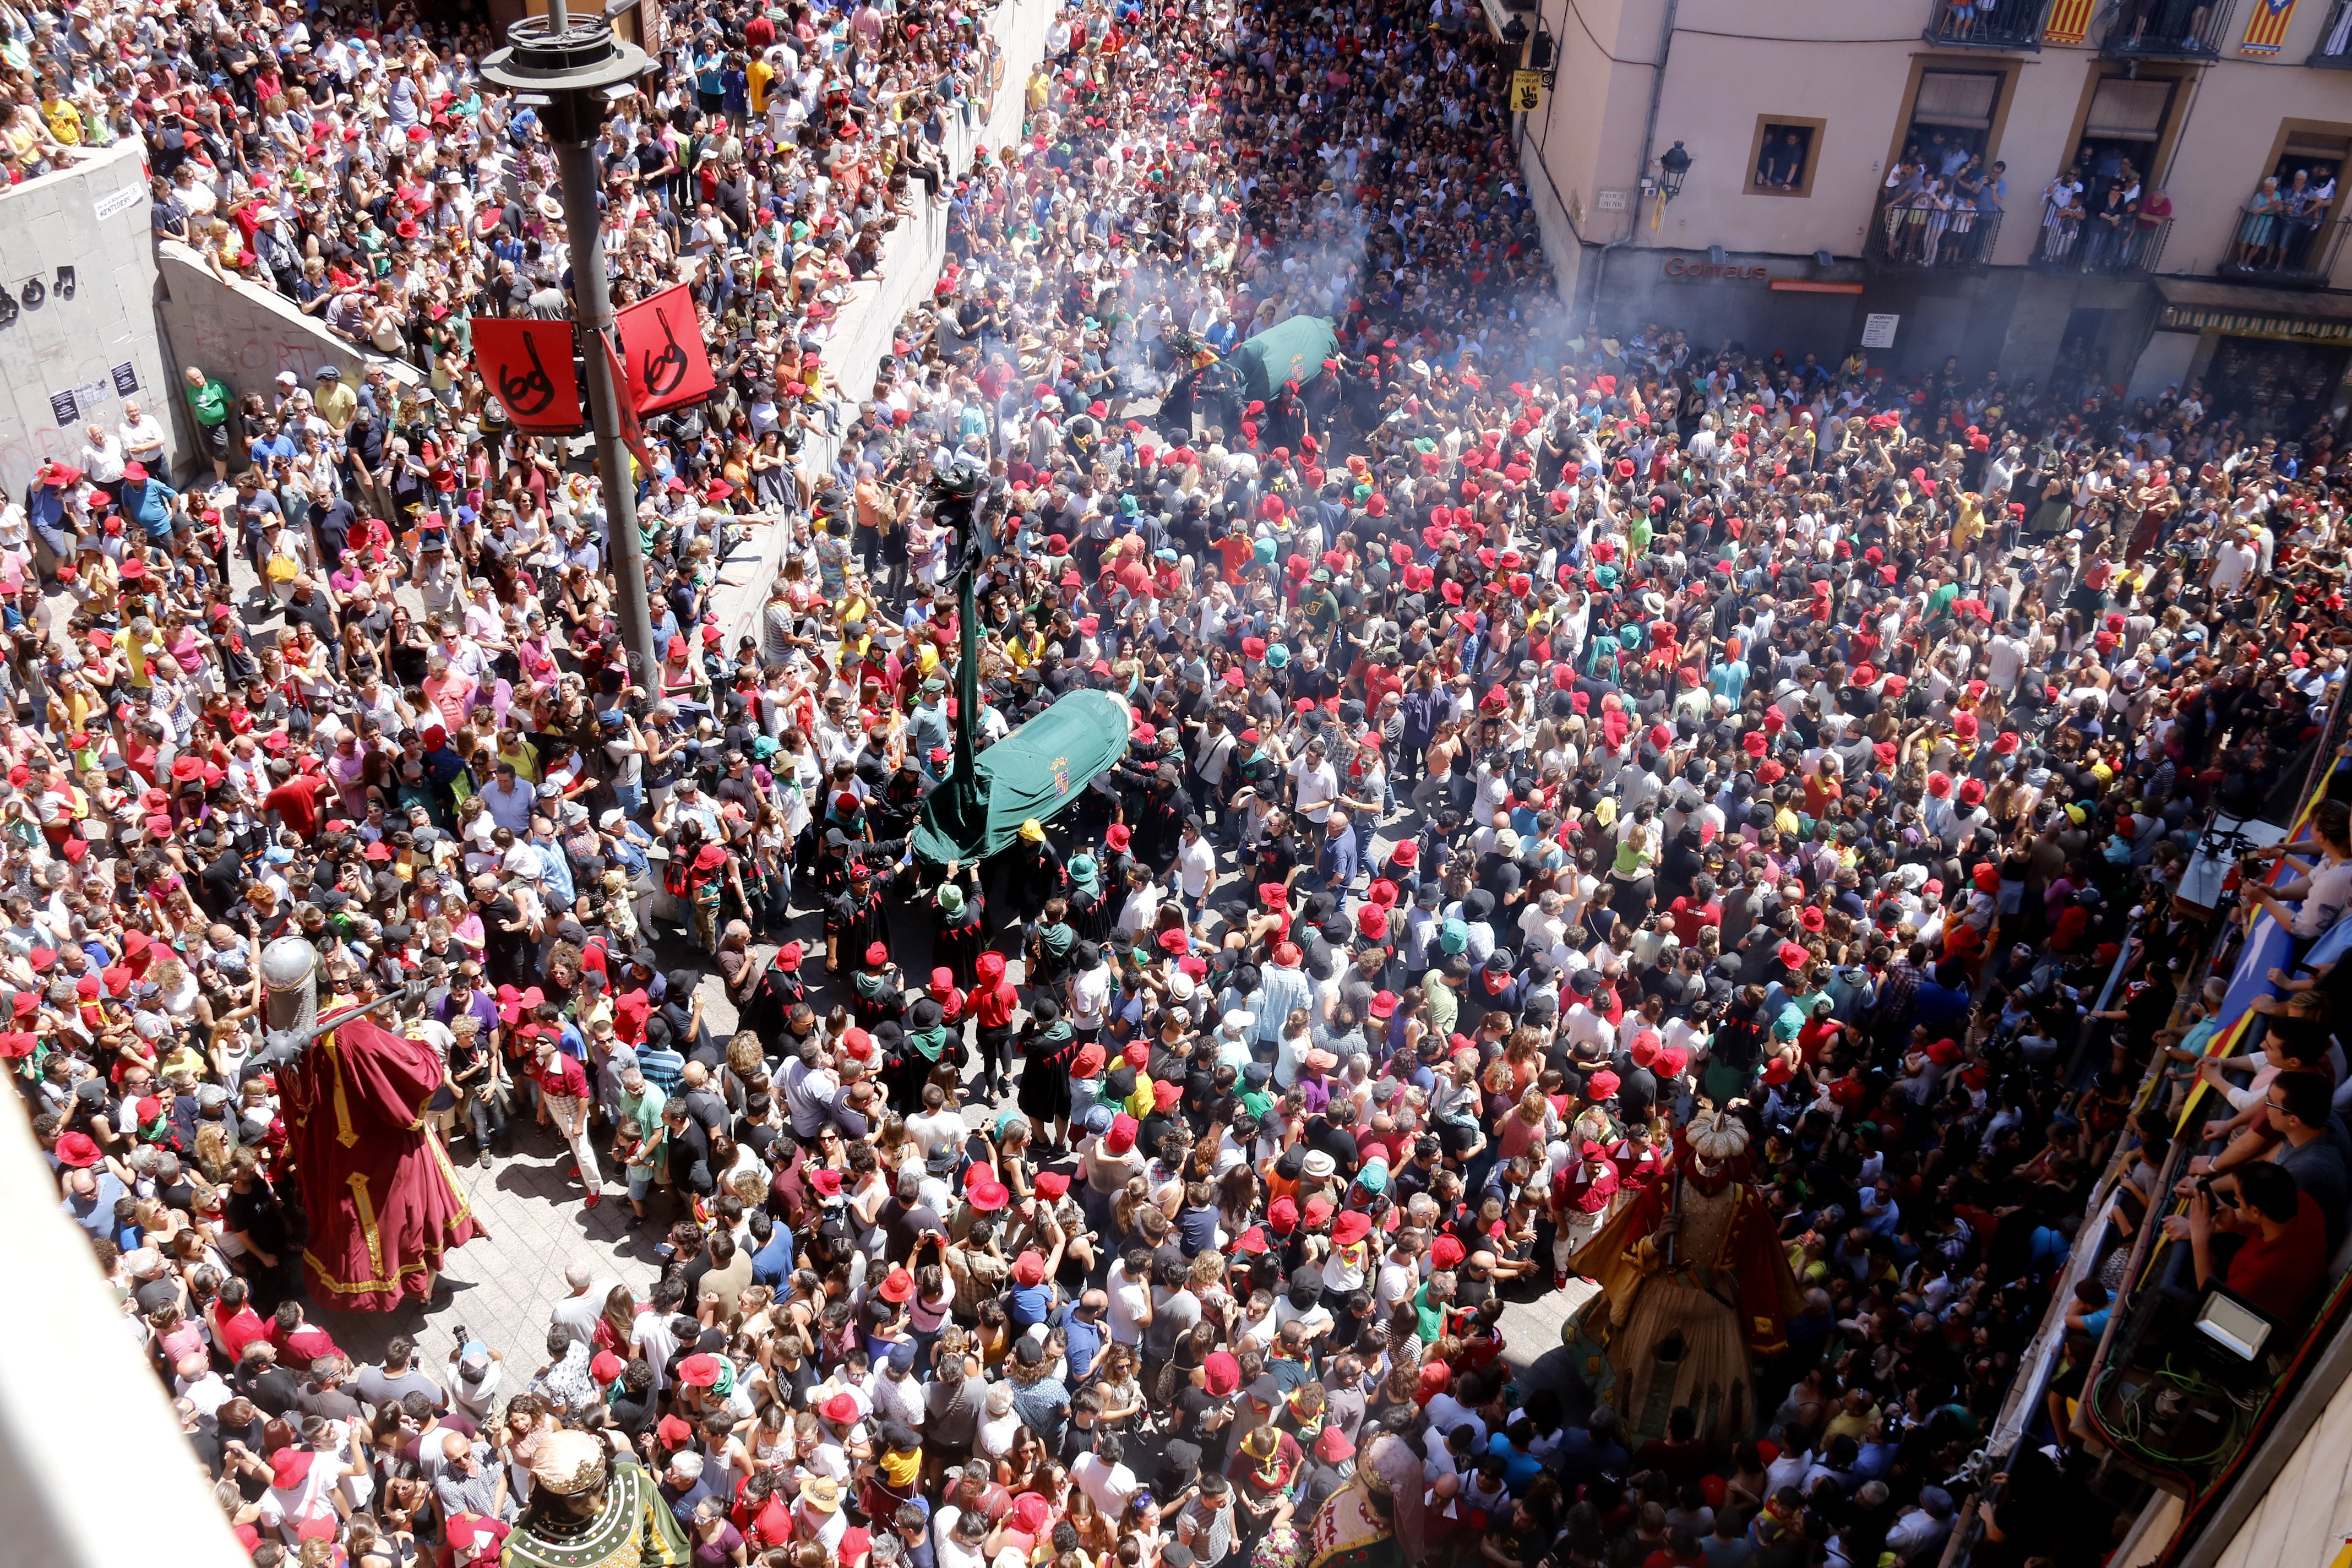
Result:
x=2123 y=192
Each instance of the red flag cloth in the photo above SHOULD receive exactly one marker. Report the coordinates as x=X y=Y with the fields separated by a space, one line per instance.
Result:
x=632 y=432
x=384 y=1201
x=662 y=349
x=528 y=366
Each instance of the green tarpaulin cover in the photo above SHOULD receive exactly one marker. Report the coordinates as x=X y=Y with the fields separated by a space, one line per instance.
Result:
x=1293 y=351
x=1034 y=771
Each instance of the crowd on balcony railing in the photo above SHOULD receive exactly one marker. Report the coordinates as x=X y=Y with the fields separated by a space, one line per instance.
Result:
x=2235 y=1175
x=2165 y=26
x=1989 y=21
x=1942 y=206
x=2284 y=226
x=2097 y=216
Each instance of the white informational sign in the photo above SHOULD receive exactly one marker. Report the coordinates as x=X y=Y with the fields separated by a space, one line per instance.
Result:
x=1878 y=331
x=1609 y=200
x=119 y=200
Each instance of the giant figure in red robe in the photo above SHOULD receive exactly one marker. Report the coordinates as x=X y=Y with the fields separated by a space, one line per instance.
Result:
x=1693 y=1281
x=382 y=1200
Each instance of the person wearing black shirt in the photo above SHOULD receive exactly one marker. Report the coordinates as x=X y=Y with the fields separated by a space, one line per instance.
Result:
x=224 y=873
x=733 y=193
x=272 y=1388
x=312 y=608
x=505 y=951
x=255 y=1215
x=331 y=521
x=905 y=1218
x=237 y=1421
x=1276 y=858
x=164 y=210
x=690 y=1150
x=1335 y=1140
x=363 y=450
x=634 y=1406
x=1204 y=1409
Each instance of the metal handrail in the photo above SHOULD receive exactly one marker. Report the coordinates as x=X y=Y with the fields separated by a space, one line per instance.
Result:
x=2276 y=248
x=2063 y=247
x=1987 y=25
x=1932 y=238
x=2026 y=1392
x=2168 y=29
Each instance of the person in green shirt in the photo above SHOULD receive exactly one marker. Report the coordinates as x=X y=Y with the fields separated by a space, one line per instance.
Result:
x=1428 y=1308
x=210 y=402
x=1321 y=606
x=1444 y=1006
x=1939 y=601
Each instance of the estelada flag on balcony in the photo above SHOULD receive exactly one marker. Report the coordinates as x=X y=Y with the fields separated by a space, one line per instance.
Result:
x=2069 y=21
x=527 y=366
x=662 y=349
x=2266 y=28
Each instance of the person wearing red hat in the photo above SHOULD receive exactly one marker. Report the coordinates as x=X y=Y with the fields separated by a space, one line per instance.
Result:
x=1583 y=1192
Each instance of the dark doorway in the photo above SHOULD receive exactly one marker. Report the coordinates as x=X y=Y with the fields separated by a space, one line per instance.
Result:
x=2275 y=388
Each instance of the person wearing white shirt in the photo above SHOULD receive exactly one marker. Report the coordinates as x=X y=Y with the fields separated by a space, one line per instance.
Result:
x=201 y=1386
x=1317 y=783
x=1106 y=1481
x=1576 y=897
x=1130 y=1304
x=1399 y=1277
x=1581 y=1025
x=1542 y=929
x=956 y=1543
x=1196 y=867
x=102 y=457
x=1090 y=1000
x=2234 y=563
x=829 y=1528
x=2005 y=659
x=1140 y=910
x=1312 y=1321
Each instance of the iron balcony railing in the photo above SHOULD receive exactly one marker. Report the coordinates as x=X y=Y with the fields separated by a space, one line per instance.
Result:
x=1912 y=234
x=2334 y=50
x=2088 y=245
x=2023 y=1416
x=2284 y=250
x=1988 y=25
x=2167 y=29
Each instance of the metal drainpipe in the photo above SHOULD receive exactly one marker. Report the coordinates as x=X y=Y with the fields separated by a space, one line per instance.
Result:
x=1649 y=132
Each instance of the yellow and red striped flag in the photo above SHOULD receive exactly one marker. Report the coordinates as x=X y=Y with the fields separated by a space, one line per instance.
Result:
x=2069 y=20
x=2266 y=28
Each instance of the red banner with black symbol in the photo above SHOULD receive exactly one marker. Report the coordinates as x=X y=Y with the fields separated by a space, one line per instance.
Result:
x=632 y=432
x=527 y=366
x=662 y=349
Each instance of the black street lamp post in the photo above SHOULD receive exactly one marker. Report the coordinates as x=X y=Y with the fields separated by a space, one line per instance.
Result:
x=571 y=71
x=1673 y=165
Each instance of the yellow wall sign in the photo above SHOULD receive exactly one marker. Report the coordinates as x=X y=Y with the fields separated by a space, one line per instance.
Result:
x=1526 y=92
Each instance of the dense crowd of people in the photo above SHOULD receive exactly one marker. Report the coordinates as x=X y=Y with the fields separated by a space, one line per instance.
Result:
x=1538 y=742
